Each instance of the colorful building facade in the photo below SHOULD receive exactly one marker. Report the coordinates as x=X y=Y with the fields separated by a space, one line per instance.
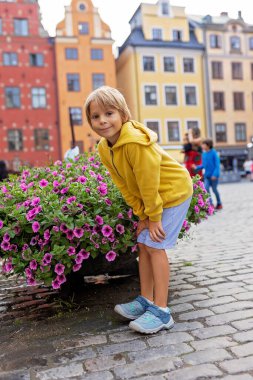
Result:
x=85 y=61
x=28 y=99
x=162 y=60
x=229 y=71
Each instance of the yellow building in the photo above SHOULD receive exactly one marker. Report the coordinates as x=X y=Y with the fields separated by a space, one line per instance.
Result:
x=84 y=62
x=229 y=69
x=160 y=72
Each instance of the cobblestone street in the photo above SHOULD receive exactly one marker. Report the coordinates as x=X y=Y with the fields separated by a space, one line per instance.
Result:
x=211 y=298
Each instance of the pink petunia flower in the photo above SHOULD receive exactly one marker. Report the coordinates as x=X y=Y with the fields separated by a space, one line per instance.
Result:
x=71 y=200
x=1 y=224
x=99 y=220
x=76 y=267
x=107 y=230
x=59 y=269
x=120 y=229
x=56 y=284
x=35 y=226
x=33 y=264
x=82 y=179
x=71 y=251
x=43 y=183
x=110 y=256
x=78 y=232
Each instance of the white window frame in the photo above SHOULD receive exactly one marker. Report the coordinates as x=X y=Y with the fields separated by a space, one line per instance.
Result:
x=161 y=29
x=175 y=64
x=194 y=65
x=197 y=94
x=164 y=96
x=159 y=127
x=142 y=63
x=178 y=30
x=157 y=94
x=179 y=126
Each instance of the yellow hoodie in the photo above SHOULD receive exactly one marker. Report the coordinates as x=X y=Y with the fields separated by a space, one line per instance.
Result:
x=148 y=178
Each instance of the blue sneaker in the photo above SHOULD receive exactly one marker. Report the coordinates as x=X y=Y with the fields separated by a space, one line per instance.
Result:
x=134 y=309
x=152 y=321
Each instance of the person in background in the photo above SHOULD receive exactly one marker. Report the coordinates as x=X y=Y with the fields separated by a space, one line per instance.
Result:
x=3 y=171
x=192 y=155
x=156 y=187
x=247 y=168
x=211 y=166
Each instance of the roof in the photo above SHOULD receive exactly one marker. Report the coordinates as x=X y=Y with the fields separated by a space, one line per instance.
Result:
x=136 y=39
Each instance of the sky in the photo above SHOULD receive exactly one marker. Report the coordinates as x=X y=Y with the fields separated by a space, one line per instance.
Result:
x=117 y=13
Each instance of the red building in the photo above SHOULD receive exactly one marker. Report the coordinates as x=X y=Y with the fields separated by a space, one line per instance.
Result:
x=29 y=132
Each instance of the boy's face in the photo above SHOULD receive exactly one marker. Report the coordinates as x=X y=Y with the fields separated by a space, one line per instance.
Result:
x=106 y=122
x=205 y=147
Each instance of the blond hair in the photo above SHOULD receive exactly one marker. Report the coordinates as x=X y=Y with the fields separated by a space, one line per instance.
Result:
x=106 y=96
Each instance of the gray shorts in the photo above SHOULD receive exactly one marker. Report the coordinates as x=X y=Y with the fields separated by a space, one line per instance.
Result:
x=172 y=221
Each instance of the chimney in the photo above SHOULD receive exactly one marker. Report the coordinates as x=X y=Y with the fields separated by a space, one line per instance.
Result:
x=224 y=14
x=240 y=15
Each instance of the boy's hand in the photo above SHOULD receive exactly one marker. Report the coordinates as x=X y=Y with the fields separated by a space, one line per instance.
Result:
x=142 y=224
x=156 y=231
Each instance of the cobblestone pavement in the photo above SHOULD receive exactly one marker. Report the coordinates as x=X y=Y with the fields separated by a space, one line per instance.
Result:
x=211 y=299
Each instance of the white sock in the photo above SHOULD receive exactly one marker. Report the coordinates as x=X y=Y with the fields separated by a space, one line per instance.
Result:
x=166 y=309
x=150 y=302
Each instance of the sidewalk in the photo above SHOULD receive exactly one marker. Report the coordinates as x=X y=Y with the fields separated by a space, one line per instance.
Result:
x=211 y=299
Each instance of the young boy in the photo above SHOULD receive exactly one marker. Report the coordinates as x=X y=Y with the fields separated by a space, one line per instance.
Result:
x=211 y=166
x=156 y=187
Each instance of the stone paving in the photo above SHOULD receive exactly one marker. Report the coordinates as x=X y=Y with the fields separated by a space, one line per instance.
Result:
x=211 y=297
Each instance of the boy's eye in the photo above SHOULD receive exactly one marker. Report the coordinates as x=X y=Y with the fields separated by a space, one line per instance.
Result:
x=93 y=117
x=109 y=113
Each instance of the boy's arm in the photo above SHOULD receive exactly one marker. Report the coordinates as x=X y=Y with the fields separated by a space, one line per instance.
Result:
x=133 y=202
x=145 y=162
x=216 y=172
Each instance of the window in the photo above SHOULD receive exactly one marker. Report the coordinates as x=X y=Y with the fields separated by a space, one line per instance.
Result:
x=192 y=124
x=154 y=126
x=12 y=97
x=10 y=59
x=157 y=34
x=217 y=70
x=240 y=132
x=238 y=101
x=190 y=95
x=235 y=43
x=148 y=63
x=173 y=130
x=15 y=140
x=97 y=54
x=82 y=7
x=236 y=70
x=218 y=101
x=150 y=95
x=98 y=80
x=71 y=53
x=221 y=132
x=215 y=41
x=73 y=82
x=36 y=59
x=76 y=115
x=39 y=97
x=188 y=65
x=20 y=27
x=41 y=139
x=177 y=35
x=170 y=95
x=169 y=64
x=1 y=26
x=251 y=43
x=83 y=28
x=165 y=8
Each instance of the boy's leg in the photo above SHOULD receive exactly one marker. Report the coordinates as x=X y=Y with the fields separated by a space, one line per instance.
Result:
x=214 y=185
x=145 y=273
x=161 y=270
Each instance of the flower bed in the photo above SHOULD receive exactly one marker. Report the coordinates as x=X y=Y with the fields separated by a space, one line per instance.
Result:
x=54 y=220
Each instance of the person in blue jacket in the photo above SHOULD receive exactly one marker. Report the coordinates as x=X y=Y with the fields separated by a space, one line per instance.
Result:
x=211 y=166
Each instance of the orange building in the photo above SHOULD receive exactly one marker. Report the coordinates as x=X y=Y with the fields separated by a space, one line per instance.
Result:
x=84 y=62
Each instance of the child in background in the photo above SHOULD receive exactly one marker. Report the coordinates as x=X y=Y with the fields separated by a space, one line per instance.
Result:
x=156 y=187
x=211 y=166
x=191 y=155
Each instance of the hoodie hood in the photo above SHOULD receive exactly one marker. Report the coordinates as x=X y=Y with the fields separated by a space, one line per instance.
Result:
x=133 y=132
